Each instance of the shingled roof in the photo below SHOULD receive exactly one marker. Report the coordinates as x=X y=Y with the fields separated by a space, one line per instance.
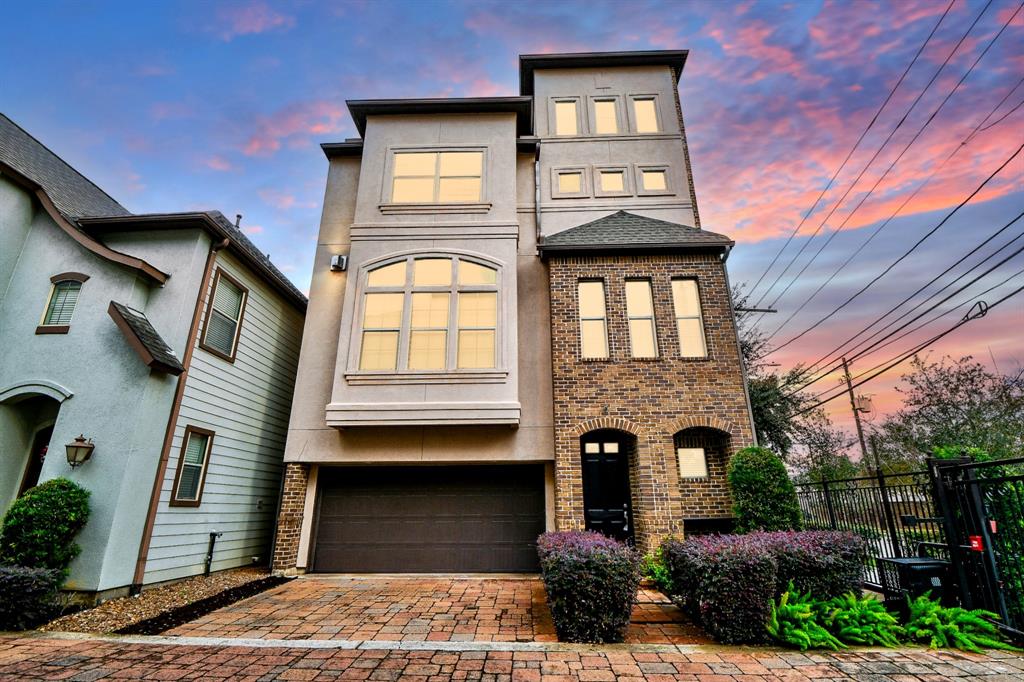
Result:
x=628 y=231
x=144 y=339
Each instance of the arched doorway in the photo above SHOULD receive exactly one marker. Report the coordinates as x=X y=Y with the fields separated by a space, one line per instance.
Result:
x=26 y=426
x=607 y=500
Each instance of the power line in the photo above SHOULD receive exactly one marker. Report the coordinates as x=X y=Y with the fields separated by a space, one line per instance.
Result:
x=904 y=256
x=913 y=351
x=876 y=154
x=860 y=139
x=885 y=174
x=978 y=128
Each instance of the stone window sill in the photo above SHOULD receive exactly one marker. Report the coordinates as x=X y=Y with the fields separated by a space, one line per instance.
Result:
x=490 y=376
x=397 y=209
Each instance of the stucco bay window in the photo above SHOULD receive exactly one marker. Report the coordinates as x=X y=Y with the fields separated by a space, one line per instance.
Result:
x=411 y=307
x=437 y=177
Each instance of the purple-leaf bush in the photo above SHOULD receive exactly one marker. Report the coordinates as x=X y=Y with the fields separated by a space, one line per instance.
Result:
x=591 y=582
x=728 y=582
x=27 y=596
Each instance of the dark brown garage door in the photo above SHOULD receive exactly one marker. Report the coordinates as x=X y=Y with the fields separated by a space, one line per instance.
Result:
x=429 y=519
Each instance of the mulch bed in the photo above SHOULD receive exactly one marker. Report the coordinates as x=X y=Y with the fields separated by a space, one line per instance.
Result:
x=161 y=608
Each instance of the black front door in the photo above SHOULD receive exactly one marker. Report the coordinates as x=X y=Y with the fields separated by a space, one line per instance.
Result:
x=606 y=484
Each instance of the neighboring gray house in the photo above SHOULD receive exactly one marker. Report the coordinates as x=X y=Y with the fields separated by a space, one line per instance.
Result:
x=167 y=340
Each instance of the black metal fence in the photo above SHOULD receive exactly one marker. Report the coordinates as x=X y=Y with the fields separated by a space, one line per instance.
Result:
x=970 y=514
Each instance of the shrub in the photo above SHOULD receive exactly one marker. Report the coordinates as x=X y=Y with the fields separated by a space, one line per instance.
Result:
x=824 y=563
x=591 y=581
x=27 y=596
x=654 y=568
x=793 y=621
x=931 y=623
x=763 y=496
x=40 y=527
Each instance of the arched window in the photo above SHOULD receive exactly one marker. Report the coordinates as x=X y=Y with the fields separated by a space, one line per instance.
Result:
x=429 y=313
x=61 y=305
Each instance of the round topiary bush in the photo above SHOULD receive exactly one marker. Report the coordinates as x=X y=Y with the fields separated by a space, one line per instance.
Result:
x=763 y=496
x=39 y=529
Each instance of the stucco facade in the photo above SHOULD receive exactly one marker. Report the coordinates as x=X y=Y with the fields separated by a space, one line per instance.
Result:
x=356 y=431
x=127 y=387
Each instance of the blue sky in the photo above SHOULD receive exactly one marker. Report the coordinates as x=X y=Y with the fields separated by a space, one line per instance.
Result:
x=174 y=106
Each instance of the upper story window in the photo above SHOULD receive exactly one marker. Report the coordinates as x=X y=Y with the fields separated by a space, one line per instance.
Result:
x=653 y=180
x=643 y=340
x=429 y=313
x=566 y=117
x=437 y=177
x=60 y=306
x=606 y=120
x=192 y=465
x=224 y=313
x=689 y=322
x=645 y=115
x=593 y=320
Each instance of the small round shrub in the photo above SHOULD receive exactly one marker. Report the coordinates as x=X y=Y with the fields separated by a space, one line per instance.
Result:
x=39 y=529
x=763 y=496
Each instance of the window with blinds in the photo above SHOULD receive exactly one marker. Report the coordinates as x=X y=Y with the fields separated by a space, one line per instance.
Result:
x=63 y=298
x=689 y=323
x=195 y=452
x=224 y=317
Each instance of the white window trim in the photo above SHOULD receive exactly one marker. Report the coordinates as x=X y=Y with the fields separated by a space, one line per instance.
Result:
x=579 y=314
x=581 y=119
x=387 y=206
x=620 y=120
x=653 y=317
x=627 y=180
x=638 y=173
x=585 y=182
x=631 y=113
x=699 y=317
x=451 y=374
x=679 y=464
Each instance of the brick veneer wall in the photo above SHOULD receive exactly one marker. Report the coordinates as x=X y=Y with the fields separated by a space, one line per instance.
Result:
x=289 y=519
x=653 y=399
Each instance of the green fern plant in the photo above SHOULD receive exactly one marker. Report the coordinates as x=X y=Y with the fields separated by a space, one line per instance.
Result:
x=952 y=627
x=860 y=620
x=793 y=621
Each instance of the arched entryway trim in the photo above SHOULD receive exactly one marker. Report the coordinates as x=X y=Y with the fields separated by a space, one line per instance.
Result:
x=36 y=387
x=610 y=423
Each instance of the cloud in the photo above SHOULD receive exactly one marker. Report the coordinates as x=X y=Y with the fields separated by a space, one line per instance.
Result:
x=283 y=200
x=252 y=229
x=218 y=163
x=163 y=111
x=250 y=19
x=294 y=124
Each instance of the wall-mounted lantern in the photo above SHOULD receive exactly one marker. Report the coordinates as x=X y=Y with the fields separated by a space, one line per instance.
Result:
x=79 y=451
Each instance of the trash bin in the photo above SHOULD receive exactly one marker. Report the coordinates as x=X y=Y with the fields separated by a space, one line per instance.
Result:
x=903 y=577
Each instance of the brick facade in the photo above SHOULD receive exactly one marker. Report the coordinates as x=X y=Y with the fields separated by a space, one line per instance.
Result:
x=701 y=399
x=289 y=519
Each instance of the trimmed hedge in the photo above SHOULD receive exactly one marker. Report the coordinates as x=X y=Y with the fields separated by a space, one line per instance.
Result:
x=40 y=527
x=728 y=582
x=763 y=495
x=591 y=582
x=27 y=596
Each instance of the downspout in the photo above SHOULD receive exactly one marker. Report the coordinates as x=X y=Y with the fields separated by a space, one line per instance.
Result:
x=536 y=195
x=739 y=349
x=172 y=420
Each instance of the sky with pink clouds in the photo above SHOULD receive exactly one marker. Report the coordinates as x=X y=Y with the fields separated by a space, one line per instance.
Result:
x=175 y=106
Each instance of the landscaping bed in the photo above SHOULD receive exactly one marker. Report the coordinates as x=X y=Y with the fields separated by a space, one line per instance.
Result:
x=161 y=608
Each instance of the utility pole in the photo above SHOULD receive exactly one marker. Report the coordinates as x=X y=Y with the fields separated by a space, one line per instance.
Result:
x=856 y=412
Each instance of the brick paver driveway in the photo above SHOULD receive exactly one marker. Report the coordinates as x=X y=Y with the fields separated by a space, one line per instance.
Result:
x=49 y=658
x=509 y=609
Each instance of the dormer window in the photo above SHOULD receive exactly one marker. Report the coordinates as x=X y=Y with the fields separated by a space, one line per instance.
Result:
x=430 y=313
x=60 y=306
x=445 y=177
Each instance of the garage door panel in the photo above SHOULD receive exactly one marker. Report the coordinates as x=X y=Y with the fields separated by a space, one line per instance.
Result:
x=429 y=519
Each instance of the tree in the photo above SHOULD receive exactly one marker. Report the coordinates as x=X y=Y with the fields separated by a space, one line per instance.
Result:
x=822 y=449
x=956 y=403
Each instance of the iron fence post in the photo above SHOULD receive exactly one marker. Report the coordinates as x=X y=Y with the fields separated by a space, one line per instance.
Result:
x=890 y=521
x=949 y=528
x=995 y=592
x=828 y=505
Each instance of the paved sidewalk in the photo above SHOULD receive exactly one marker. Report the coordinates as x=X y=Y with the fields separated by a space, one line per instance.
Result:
x=512 y=609
x=45 y=657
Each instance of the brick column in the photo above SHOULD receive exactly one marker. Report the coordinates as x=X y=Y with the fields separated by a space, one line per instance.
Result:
x=289 y=520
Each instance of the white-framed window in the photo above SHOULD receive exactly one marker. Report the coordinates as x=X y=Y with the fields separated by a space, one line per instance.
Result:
x=689 y=321
x=693 y=462
x=61 y=304
x=612 y=181
x=652 y=180
x=605 y=115
x=566 y=115
x=193 y=461
x=437 y=177
x=643 y=337
x=224 y=313
x=410 y=308
x=570 y=182
x=645 y=114
x=593 y=320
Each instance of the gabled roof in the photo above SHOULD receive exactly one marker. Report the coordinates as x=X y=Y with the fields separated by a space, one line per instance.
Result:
x=528 y=63
x=144 y=339
x=522 y=107
x=628 y=231
x=71 y=192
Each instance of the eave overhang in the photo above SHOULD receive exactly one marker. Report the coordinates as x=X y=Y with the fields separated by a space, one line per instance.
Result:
x=522 y=107
x=528 y=63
